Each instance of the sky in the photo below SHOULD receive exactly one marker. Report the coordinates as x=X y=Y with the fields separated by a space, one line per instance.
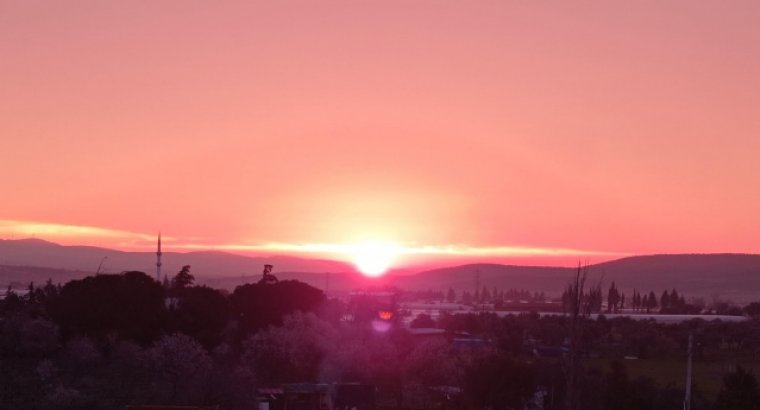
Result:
x=551 y=131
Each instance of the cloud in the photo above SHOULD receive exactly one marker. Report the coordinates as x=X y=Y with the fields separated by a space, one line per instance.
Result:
x=82 y=234
x=413 y=250
x=13 y=228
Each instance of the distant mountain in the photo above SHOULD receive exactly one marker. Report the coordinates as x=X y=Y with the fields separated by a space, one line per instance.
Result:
x=215 y=268
x=19 y=277
x=727 y=276
x=36 y=252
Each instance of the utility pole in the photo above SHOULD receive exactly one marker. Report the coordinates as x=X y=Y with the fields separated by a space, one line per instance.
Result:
x=477 y=287
x=687 y=398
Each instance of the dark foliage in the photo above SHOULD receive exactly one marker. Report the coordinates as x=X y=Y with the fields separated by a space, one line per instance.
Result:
x=183 y=278
x=130 y=304
x=259 y=305
x=498 y=382
x=200 y=312
x=111 y=340
x=739 y=392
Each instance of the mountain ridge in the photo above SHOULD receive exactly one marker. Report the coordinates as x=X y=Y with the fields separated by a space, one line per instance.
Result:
x=720 y=275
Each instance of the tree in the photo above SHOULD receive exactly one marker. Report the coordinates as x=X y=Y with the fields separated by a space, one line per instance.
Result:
x=485 y=295
x=573 y=299
x=739 y=392
x=29 y=337
x=200 y=312
x=363 y=355
x=593 y=301
x=130 y=304
x=665 y=299
x=635 y=301
x=613 y=298
x=651 y=301
x=753 y=309
x=451 y=297
x=178 y=361
x=258 y=305
x=675 y=301
x=183 y=278
x=12 y=301
x=267 y=278
x=431 y=363
x=292 y=352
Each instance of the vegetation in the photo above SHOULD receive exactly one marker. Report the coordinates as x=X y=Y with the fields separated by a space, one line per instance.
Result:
x=110 y=340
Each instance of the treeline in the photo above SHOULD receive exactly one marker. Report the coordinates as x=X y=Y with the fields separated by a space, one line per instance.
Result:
x=616 y=302
x=483 y=295
x=110 y=340
x=106 y=341
x=596 y=300
x=604 y=381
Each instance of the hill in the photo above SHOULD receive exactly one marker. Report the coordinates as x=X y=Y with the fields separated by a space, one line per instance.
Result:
x=35 y=252
x=38 y=259
x=727 y=276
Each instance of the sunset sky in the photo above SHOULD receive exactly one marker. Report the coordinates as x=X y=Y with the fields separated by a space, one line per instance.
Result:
x=542 y=130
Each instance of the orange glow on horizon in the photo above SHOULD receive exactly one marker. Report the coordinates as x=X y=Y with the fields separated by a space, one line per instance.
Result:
x=475 y=130
x=374 y=258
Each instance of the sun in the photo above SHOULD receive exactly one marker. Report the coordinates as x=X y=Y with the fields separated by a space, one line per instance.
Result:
x=373 y=258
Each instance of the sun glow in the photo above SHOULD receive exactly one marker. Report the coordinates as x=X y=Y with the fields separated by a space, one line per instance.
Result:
x=374 y=258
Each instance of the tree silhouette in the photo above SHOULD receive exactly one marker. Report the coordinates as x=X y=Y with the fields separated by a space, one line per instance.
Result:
x=613 y=298
x=267 y=278
x=178 y=361
x=573 y=301
x=665 y=299
x=289 y=353
x=183 y=278
x=130 y=304
x=451 y=296
x=675 y=300
x=200 y=312
x=258 y=305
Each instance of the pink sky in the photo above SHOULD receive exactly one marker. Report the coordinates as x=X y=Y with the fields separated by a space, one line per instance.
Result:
x=572 y=128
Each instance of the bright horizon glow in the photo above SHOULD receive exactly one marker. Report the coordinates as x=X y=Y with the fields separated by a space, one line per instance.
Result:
x=481 y=130
x=374 y=258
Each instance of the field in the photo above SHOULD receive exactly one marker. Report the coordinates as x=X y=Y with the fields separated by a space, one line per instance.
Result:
x=707 y=373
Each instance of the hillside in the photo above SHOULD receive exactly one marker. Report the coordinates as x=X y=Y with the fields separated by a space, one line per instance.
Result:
x=39 y=260
x=729 y=276
x=35 y=252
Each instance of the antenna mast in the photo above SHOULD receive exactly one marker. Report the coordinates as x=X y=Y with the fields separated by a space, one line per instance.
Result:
x=158 y=259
